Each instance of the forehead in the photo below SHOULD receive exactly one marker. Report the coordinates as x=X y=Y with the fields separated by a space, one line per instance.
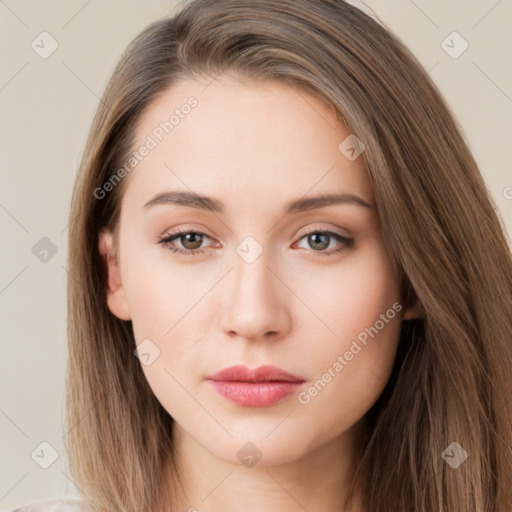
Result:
x=249 y=139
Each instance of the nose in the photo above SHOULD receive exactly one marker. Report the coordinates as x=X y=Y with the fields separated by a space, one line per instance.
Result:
x=256 y=303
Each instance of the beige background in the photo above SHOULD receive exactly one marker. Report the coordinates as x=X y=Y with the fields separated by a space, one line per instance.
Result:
x=47 y=106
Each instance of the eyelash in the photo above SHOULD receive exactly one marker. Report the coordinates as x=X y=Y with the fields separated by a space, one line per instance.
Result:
x=185 y=253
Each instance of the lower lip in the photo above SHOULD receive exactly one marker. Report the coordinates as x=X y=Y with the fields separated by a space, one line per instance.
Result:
x=255 y=394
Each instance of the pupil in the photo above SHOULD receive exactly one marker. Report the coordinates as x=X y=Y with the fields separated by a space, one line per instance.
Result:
x=324 y=244
x=191 y=241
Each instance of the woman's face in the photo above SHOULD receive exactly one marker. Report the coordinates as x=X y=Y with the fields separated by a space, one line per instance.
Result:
x=279 y=278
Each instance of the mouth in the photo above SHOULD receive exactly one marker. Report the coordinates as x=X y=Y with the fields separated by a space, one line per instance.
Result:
x=259 y=387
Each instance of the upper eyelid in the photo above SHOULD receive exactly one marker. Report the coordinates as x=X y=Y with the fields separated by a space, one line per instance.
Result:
x=203 y=230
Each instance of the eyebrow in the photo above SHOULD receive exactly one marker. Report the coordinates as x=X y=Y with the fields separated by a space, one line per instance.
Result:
x=185 y=198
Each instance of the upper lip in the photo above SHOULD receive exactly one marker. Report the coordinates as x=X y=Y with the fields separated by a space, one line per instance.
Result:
x=266 y=373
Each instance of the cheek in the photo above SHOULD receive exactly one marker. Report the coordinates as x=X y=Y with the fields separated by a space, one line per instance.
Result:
x=170 y=307
x=157 y=291
x=350 y=378
x=349 y=298
x=151 y=298
x=352 y=369
x=161 y=302
x=369 y=289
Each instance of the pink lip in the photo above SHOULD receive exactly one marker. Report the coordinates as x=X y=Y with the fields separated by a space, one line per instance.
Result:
x=259 y=387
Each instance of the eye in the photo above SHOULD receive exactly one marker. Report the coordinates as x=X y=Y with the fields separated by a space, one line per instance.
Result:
x=320 y=240
x=190 y=240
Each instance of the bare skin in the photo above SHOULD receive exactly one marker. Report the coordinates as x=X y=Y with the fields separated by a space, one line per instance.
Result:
x=299 y=305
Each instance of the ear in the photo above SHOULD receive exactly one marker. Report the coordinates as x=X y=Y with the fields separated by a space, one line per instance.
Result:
x=414 y=310
x=116 y=299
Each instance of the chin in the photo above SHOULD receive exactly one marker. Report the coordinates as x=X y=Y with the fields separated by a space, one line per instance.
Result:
x=252 y=449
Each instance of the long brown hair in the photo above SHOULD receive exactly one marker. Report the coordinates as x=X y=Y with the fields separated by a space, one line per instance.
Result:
x=452 y=377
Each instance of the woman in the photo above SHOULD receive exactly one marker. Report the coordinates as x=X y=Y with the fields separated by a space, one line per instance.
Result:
x=291 y=289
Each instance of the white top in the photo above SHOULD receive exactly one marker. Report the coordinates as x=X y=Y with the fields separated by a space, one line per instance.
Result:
x=54 y=505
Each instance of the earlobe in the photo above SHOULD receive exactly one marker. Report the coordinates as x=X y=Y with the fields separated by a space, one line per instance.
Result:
x=116 y=299
x=413 y=311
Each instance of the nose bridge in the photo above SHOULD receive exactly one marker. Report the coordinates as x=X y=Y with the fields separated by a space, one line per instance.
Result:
x=253 y=306
x=252 y=278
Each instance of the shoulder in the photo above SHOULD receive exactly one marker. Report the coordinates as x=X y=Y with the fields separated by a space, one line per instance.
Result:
x=54 y=505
